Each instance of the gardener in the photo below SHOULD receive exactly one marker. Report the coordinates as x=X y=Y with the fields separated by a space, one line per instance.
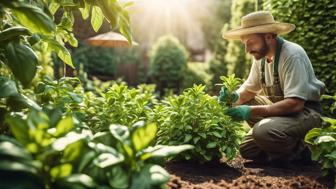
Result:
x=281 y=94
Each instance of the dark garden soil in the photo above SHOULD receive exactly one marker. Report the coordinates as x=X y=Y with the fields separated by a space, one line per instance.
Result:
x=242 y=173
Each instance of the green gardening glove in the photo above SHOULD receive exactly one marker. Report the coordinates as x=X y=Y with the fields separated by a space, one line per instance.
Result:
x=242 y=112
x=223 y=94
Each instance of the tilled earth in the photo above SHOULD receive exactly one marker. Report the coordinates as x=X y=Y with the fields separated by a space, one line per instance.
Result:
x=245 y=174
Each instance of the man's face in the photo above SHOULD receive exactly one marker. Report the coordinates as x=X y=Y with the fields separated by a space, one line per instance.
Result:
x=255 y=44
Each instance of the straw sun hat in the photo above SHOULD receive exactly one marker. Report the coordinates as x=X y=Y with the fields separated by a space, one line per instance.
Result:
x=258 y=22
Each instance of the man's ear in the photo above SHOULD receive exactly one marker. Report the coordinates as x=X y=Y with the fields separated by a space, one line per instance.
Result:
x=269 y=37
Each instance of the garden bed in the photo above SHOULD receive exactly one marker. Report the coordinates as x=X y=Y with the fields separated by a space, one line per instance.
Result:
x=242 y=173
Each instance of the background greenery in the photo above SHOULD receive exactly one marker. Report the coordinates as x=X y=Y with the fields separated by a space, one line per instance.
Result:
x=315 y=32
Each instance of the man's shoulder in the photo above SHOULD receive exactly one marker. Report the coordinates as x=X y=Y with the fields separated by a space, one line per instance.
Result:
x=291 y=49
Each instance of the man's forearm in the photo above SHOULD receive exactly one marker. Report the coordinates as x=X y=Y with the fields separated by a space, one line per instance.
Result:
x=244 y=96
x=281 y=108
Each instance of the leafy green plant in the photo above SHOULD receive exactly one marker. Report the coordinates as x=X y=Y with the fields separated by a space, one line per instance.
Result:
x=119 y=104
x=67 y=155
x=140 y=167
x=322 y=143
x=198 y=119
x=231 y=83
x=196 y=74
x=168 y=61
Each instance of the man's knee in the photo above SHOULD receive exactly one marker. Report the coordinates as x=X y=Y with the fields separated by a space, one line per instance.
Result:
x=267 y=131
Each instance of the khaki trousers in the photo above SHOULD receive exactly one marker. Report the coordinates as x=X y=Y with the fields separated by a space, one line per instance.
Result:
x=278 y=138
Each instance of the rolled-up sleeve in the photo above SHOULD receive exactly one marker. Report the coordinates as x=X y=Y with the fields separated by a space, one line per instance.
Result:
x=296 y=81
x=252 y=83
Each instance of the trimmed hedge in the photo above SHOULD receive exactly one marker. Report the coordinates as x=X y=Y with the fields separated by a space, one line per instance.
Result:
x=315 y=32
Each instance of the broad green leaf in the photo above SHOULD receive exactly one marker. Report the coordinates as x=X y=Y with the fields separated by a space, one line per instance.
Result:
x=53 y=7
x=9 y=149
x=19 y=128
x=97 y=18
x=64 y=126
x=75 y=181
x=86 y=160
x=331 y=155
x=72 y=137
x=211 y=145
x=60 y=171
x=322 y=139
x=111 y=10
x=77 y=98
x=22 y=61
x=20 y=101
x=118 y=177
x=217 y=134
x=187 y=138
x=164 y=151
x=312 y=134
x=105 y=160
x=8 y=165
x=7 y=87
x=61 y=51
x=203 y=135
x=12 y=33
x=85 y=11
x=143 y=135
x=329 y=120
x=120 y=132
x=34 y=18
x=150 y=176
x=73 y=151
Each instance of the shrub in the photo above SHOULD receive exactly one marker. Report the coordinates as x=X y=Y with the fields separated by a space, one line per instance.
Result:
x=196 y=73
x=198 y=119
x=168 y=61
x=119 y=105
x=96 y=60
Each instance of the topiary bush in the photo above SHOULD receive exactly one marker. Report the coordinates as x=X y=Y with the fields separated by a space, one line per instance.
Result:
x=168 y=61
x=315 y=32
x=196 y=118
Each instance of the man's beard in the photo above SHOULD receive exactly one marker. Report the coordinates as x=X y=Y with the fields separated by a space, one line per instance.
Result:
x=262 y=52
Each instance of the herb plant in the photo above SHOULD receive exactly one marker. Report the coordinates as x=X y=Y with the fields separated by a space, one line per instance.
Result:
x=198 y=119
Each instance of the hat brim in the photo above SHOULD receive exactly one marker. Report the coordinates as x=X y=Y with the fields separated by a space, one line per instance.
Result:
x=278 y=28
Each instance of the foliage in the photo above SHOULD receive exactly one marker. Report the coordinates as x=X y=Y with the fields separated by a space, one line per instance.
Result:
x=323 y=145
x=96 y=60
x=328 y=104
x=198 y=119
x=103 y=61
x=168 y=61
x=322 y=141
x=212 y=26
x=68 y=155
x=231 y=84
x=196 y=73
x=237 y=60
x=119 y=104
x=315 y=32
x=26 y=24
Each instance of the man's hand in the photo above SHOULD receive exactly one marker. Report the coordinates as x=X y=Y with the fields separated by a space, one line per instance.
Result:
x=223 y=94
x=242 y=112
